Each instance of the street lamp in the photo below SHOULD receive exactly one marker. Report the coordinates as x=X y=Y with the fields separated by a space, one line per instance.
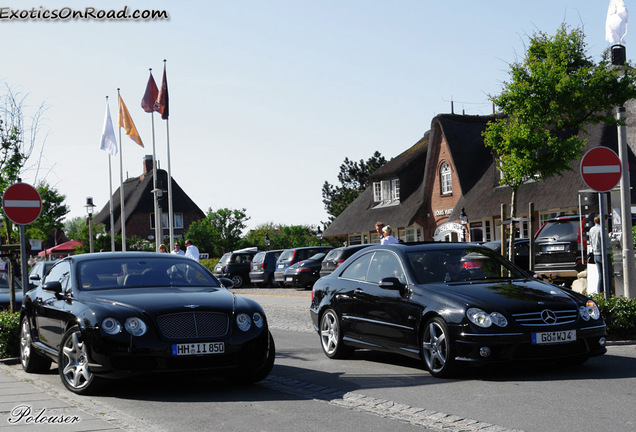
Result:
x=463 y=219
x=267 y=242
x=89 y=209
x=319 y=235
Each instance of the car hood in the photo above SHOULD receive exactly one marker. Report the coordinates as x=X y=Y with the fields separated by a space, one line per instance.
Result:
x=512 y=295
x=162 y=300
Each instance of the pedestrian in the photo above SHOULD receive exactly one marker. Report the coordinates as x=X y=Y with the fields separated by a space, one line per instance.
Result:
x=597 y=250
x=163 y=248
x=191 y=250
x=177 y=249
x=378 y=228
x=387 y=236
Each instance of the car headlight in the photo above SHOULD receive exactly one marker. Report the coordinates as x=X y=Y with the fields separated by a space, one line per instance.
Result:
x=135 y=326
x=258 y=320
x=243 y=322
x=590 y=310
x=485 y=320
x=111 y=326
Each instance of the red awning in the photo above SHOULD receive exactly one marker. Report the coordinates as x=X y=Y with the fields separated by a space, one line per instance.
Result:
x=64 y=248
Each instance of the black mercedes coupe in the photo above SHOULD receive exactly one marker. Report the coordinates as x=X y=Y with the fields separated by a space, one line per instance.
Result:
x=119 y=314
x=451 y=304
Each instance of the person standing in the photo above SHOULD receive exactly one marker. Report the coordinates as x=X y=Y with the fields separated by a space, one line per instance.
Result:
x=163 y=248
x=597 y=250
x=177 y=249
x=191 y=250
x=378 y=228
x=387 y=236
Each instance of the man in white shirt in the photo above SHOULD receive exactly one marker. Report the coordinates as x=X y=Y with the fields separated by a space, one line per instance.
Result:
x=177 y=249
x=191 y=250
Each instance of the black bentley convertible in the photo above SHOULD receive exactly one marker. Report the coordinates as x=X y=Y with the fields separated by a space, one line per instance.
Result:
x=113 y=315
x=451 y=304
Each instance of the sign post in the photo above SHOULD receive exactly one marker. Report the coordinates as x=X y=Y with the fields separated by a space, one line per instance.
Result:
x=22 y=204
x=601 y=171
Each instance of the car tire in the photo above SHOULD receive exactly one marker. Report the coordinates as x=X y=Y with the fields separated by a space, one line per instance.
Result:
x=237 y=281
x=260 y=372
x=73 y=364
x=437 y=348
x=331 y=336
x=31 y=360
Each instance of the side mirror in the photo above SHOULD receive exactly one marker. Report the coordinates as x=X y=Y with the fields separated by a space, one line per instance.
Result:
x=53 y=286
x=34 y=277
x=391 y=283
x=226 y=282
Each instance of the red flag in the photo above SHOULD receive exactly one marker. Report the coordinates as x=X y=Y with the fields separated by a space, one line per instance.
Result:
x=150 y=97
x=162 y=99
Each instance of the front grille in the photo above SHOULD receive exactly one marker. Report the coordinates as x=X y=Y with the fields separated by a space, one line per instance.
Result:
x=536 y=318
x=192 y=325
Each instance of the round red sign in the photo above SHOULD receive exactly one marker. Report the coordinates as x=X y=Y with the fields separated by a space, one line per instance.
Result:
x=601 y=169
x=21 y=203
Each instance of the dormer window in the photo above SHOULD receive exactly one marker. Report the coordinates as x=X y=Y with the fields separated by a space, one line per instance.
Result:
x=445 y=178
x=387 y=192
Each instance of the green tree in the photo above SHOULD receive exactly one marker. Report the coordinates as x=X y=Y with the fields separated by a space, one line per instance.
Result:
x=19 y=135
x=53 y=212
x=553 y=93
x=354 y=179
x=285 y=237
x=220 y=231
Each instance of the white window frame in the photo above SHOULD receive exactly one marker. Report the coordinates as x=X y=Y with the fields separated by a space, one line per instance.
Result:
x=178 y=220
x=395 y=189
x=377 y=191
x=446 y=179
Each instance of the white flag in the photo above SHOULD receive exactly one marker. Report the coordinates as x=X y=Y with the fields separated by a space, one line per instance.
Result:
x=616 y=24
x=109 y=142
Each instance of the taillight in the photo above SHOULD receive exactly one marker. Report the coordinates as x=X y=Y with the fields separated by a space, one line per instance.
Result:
x=340 y=261
x=263 y=266
x=293 y=258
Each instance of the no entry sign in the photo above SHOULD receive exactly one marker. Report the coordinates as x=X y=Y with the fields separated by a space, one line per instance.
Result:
x=21 y=203
x=601 y=169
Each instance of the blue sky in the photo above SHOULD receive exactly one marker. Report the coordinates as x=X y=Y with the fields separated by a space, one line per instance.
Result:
x=267 y=97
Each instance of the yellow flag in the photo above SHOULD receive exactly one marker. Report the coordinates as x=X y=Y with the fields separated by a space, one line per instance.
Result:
x=126 y=122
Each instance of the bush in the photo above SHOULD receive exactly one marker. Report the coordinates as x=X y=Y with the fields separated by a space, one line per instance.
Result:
x=619 y=314
x=9 y=334
x=210 y=263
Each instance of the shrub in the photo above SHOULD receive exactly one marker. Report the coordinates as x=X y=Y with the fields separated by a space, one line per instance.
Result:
x=619 y=314
x=9 y=334
x=210 y=263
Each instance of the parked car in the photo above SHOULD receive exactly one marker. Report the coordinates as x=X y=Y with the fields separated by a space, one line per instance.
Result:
x=305 y=273
x=417 y=300
x=263 y=267
x=337 y=256
x=115 y=315
x=559 y=243
x=38 y=271
x=236 y=266
x=5 y=293
x=292 y=256
x=521 y=252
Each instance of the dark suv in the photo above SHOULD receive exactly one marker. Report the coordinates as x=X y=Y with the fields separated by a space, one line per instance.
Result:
x=263 y=267
x=292 y=256
x=236 y=266
x=559 y=243
x=337 y=256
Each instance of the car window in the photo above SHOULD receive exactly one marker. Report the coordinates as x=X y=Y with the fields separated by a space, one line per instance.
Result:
x=332 y=254
x=358 y=269
x=142 y=272
x=286 y=255
x=560 y=229
x=259 y=257
x=384 y=265
x=225 y=258
x=60 y=272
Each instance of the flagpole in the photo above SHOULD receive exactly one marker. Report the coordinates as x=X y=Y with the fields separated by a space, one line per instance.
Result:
x=110 y=183
x=170 y=211
x=155 y=189
x=121 y=183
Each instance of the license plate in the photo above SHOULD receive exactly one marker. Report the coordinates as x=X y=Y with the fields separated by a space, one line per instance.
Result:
x=555 y=337
x=288 y=279
x=556 y=248
x=198 y=348
x=281 y=266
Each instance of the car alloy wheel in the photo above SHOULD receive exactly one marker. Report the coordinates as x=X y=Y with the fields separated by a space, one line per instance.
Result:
x=73 y=363
x=437 y=348
x=30 y=359
x=237 y=281
x=331 y=336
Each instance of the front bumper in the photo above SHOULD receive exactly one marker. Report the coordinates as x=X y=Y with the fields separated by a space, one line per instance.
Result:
x=505 y=347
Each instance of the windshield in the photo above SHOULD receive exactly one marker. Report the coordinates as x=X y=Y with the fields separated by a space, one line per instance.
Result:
x=143 y=272
x=287 y=255
x=560 y=229
x=458 y=265
x=225 y=258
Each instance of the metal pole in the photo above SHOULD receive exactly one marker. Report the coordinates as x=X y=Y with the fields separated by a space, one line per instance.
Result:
x=629 y=264
x=602 y=205
x=90 y=232
x=23 y=262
